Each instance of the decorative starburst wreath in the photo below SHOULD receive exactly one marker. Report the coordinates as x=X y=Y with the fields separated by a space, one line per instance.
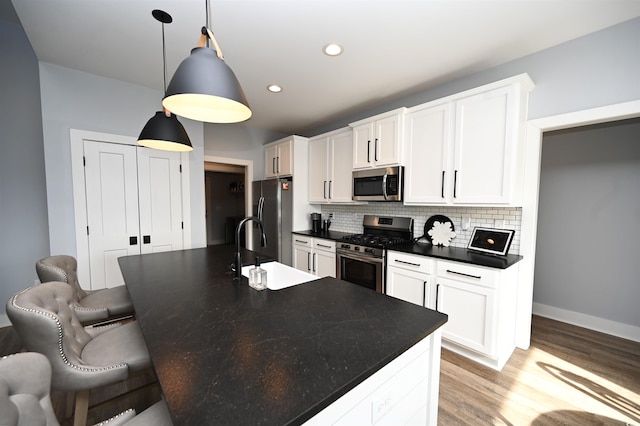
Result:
x=441 y=234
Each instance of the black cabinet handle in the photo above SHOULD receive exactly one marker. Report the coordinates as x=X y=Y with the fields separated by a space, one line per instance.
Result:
x=437 y=294
x=330 y=189
x=273 y=165
x=314 y=262
x=146 y=239
x=455 y=183
x=309 y=262
x=442 y=186
x=278 y=165
x=424 y=294
x=324 y=189
x=406 y=263
x=133 y=241
x=368 y=151
x=375 y=149
x=464 y=275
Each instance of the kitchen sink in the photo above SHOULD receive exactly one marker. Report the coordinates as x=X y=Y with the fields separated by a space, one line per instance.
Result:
x=281 y=276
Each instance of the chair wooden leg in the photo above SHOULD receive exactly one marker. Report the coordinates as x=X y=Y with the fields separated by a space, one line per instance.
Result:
x=71 y=399
x=82 y=407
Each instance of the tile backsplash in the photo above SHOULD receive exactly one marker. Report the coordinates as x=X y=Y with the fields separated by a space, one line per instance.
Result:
x=348 y=218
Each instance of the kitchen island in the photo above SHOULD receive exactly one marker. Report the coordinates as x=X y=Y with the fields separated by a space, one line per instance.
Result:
x=225 y=353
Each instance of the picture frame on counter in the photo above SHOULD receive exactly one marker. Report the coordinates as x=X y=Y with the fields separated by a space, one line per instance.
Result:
x=491 y=240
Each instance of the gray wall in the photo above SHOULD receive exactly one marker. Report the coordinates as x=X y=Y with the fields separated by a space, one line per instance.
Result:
x=598 y=69
x=239 y=141
x=24 y=234
x=77 y=100
x=588 y=252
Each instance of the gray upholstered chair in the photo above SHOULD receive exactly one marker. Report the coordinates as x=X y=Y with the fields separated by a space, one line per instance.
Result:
x=25 y=383
x=82 y=358
x=92 y=305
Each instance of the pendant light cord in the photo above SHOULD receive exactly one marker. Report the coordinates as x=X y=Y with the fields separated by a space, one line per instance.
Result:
x=164 y=63
x=207 y=34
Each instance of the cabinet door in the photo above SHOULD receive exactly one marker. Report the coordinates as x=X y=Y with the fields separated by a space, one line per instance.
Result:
x=485 y=138
x=427 y=156
x=386 y=145
x=318 y=166
x=362 y=146
x=471 y=314
x=324 y=263
x=407 y=285
x=340 y=187
x=302 y=258
x=284 y=159
x=270 y=157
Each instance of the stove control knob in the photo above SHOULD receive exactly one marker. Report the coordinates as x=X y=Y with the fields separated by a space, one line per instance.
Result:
x=345 y=246
x=369 y=250
x=357 y=248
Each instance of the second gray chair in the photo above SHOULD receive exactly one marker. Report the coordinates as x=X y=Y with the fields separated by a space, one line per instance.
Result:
x=82 y=358
x=92 y=305
x=25 y=382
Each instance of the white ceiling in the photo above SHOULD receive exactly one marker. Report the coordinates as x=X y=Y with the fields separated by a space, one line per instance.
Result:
x=392 y=47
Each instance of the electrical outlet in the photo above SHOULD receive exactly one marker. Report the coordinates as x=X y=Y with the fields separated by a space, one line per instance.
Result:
x=466 y=222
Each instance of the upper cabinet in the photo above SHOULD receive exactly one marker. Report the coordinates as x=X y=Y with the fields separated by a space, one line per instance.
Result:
x=330 y=163
x=278 y=160
x=377 y=140
x=466 y=149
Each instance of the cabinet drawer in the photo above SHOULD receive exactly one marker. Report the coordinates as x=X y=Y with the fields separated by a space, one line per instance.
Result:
x=471 y=274
x=411 y=262
x=325 y=245
x=301 y=240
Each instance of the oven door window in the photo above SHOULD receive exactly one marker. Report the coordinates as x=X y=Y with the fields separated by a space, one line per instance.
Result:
x=366 y=274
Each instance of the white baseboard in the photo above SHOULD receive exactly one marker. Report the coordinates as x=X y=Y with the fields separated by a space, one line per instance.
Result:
x=4 y=320
x=602 y=325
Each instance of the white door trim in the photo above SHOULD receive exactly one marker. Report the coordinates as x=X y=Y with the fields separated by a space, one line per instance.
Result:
x=531 y=187
x=77 y=138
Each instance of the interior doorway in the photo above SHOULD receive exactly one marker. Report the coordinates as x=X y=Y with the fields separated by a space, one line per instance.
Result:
x=224 y=201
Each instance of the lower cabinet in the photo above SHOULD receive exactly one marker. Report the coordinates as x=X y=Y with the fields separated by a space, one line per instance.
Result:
x=314 y=255
x=409 y=278
x=480 y=302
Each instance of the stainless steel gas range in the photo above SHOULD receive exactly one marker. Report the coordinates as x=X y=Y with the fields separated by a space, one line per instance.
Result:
x=360 y=258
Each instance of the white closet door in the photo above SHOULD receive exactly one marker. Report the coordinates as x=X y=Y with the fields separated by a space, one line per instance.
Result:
x=111 y=181
x=159 y=186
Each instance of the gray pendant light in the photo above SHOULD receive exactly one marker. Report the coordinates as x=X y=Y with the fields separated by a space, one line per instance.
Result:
x=163 y=130
x=204 y=88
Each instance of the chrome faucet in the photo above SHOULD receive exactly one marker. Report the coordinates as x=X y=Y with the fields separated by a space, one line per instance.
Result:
x=237 y=262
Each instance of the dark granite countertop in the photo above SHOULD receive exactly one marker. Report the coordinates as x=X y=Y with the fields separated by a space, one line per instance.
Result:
x=458 y=254
x=327 y=235
x=225 y=353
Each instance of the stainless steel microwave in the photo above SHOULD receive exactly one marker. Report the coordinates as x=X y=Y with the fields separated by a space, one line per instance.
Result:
x=383 y=184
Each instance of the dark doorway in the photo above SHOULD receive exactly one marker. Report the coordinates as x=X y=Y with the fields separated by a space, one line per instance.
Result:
x=225 y=202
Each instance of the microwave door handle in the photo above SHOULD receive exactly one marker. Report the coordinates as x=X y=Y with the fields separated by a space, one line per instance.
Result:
x=384 y=185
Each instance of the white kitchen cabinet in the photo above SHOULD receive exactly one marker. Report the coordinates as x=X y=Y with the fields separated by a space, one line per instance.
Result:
x=466 y=149
x=330 y=165
x=480 y=302
x=314 y=255
x=481 y=305
x=377 y=141
x=409 y=278
x=278 y=159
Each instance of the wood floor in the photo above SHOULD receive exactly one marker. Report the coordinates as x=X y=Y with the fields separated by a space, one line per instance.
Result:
x=569 y=376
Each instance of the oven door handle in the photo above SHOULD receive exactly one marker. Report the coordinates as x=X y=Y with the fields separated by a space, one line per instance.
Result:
x=356 y=256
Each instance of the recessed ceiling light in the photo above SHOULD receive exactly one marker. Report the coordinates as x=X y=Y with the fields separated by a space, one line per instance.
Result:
x=332 y=49
x=274 y=88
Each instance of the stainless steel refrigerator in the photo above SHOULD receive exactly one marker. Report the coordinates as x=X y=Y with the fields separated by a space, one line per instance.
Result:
x=273 y=204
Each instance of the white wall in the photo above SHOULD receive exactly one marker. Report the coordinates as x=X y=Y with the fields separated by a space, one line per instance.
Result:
x=588 y=253
x=77 y=100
